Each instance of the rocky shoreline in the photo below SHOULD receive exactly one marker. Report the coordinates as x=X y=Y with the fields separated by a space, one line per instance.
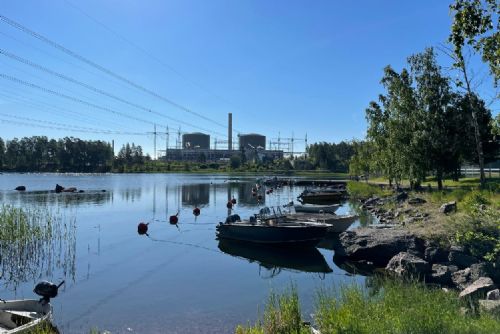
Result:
x=393 y=248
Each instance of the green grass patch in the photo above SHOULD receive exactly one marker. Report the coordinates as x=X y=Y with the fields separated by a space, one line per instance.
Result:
x=388 y=307
x=359 y=190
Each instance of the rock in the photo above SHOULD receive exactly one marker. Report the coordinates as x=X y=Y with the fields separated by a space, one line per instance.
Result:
x=408 y=265
x=377 y=245
x=416 y=200
x=20 y=188
x=441 y=274
x=400 y=197
x=479 y=287
x=448 y=207
x=482 y=269
x=371 y=201
x=435 y=254
x=493 y=295
x=462 y=260
x=490 y=306
x=461 y=279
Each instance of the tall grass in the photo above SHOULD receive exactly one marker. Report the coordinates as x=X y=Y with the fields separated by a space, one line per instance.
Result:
x=396 y=308
x=33 y=243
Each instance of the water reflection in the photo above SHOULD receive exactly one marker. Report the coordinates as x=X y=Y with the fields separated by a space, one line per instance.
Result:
x=46 y=247
x=277 y=258
x=195 y=194
x=248 y=197
x=58 y=199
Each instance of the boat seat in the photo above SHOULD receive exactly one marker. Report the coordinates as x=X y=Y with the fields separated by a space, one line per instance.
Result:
x=13 y=319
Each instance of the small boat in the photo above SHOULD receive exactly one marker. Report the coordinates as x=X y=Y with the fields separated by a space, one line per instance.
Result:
x=336 y=223
x=18 y=316
x=315 y=208
x=272 y=231
x=272 y=257
x=321 y=197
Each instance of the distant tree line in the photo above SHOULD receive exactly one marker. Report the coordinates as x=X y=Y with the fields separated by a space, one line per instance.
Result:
x=422 y=126
x=329 y=156
x=69 y=154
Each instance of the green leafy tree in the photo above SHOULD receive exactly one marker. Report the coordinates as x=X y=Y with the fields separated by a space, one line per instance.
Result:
x=235 y=161
x=2 y=153
x=476 y=23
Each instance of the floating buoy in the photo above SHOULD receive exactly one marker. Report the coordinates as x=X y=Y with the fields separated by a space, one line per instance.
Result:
x=196 y=212
x=254 y=190
x=229 y=205
x=174 y=219
x=271 y=190
x=254 y=194
x=233 y=200
x=142 y=228
x=259 y=197
x=268 y=192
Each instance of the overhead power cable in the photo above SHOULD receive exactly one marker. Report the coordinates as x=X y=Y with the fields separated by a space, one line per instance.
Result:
x=75 y=127
x=61 y=127
x=147 y=53
x=101 y=68
x=94 y=89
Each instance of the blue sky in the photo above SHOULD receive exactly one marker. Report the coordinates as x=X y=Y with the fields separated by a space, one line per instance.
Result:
x=281 y=67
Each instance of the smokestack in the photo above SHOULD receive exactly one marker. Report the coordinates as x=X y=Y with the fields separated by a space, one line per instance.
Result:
x=230 y=132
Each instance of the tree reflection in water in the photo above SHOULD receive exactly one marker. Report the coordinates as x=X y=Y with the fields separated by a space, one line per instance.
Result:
x=35 y=243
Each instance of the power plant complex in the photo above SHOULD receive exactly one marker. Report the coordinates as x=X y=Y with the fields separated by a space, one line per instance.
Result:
x=196 y=147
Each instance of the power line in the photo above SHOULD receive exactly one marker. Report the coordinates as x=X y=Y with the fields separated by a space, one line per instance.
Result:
x=101 y=68
x=92 y=88
x=147 y=53
x=74 y=127
x=61 y=128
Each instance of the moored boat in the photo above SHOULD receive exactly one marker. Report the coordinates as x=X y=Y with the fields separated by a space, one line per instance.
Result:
x=322 y=197
x=316 y=208
x=18 y=316
x=336 y=223
x=272 y=231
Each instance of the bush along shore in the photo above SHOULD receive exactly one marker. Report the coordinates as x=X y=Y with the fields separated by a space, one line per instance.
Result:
x=450 y=239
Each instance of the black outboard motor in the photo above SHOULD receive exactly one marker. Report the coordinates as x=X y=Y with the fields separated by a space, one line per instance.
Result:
x=233 y=218
x=47 y=290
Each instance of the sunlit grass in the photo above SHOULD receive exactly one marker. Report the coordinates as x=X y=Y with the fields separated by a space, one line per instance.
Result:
x=389 y=307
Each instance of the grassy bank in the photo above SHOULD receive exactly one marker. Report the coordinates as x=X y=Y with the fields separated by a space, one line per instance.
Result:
x=393 y=307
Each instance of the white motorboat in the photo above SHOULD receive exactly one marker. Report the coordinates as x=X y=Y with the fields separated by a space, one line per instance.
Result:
x=17 y=316
x=336 y=223
x=316 y=208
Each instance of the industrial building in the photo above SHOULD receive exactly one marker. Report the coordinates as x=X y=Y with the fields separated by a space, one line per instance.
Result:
x=196 y=147
x=196 y=140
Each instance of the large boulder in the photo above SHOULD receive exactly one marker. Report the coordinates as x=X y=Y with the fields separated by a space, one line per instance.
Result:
x=434 y=254
x=490 y=306
x=478 y=288
x=440 y=274
x=461 y=278
x=493 y=295
x=408 y=265
x=378 y=245
x=448 y=207
x=462 y=260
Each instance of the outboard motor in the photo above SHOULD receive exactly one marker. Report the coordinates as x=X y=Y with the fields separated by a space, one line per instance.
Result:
x=47 y=290
x=233 y=218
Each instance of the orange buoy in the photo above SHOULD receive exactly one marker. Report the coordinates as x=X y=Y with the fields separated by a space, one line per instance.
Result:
x=259 y=197
x=196 y=212
x=142 y=228
x=233 y=200
x=229 y=205
x=268 y=192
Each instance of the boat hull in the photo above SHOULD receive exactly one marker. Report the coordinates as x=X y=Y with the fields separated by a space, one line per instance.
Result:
x=283 y=234
x=336 y=223
x=17 y=316
x=311 y=208
x=322 y=198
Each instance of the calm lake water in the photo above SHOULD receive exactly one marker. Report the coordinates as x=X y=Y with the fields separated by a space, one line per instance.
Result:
x=180 y=279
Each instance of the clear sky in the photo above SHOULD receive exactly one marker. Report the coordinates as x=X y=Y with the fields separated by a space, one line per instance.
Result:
x=282 y=67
